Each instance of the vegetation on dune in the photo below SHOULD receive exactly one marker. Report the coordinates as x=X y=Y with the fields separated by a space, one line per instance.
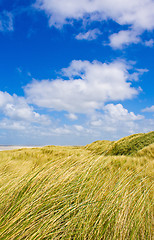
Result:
x=99 y=147
x=77 y=192
x=132 y=144
x=125 y=146
x=147 y=151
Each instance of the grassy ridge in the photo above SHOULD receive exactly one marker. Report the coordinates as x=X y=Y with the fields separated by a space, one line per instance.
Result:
x=132 y=144
x=125 y=146
x=76 y=193
x=99 y=147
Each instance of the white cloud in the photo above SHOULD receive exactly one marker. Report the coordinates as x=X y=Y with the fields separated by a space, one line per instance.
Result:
x=97 y=122
x=149 y=43
x=114 y=118
x=16 y=108
x=118 y=112
x=79 y=128
x=116 y=121
x=123 y=38
x=12 y=125
x=113 y=122
x=5 y=98
x=148 y=109
x=20 y=111
x=59 y=131
x=138 y=15
x=88 y=87
x=72 y=116
x=90 y=35
x=6 y=21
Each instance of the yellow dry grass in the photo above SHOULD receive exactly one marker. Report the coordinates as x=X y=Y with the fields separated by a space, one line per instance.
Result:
x=75 y=193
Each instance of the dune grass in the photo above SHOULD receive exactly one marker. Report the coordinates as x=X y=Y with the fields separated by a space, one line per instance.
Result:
x=132 y=144
x=76 y=193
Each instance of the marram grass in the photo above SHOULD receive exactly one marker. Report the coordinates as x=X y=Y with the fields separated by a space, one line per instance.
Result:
x=75 y=193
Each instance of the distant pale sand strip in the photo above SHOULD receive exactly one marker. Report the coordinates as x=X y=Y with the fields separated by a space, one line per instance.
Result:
x=5 y=148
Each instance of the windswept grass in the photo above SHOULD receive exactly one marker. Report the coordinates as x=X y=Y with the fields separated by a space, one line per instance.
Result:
x=129 y=145
x=99 y=147
x=132 y=144
x=76 y=193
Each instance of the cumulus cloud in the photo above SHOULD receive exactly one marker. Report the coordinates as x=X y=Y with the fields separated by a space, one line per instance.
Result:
x=88 y=87
x=124 y=38
x=72 y=116
x=112 y=122
x=6 y=21
x=114 y=115
x=13 y=125
x=90 y=35
x=4 y=99
x=16 y=108
x=148 y=109
x=118 y=112
x=149 y=43
x=139 y=15
x=116 y=120
x=136 y=13
x=79 y=128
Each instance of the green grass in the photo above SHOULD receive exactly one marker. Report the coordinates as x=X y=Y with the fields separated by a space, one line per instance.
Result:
x=78 y=192
x=125 y=146
x=132 y=144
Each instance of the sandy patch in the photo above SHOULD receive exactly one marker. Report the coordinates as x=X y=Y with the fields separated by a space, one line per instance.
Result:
x=5 y=148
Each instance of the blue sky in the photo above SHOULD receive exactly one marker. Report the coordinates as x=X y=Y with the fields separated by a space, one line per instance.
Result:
x=72 y=72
